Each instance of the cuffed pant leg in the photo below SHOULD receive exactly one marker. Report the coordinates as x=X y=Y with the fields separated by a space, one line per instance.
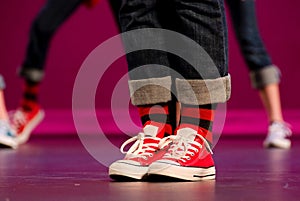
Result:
x=202 y=92
x=265 y=76
x=150 y=91
x=31 y=74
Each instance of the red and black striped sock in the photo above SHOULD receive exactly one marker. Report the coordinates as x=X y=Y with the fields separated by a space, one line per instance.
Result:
x=30 y=95
x=156 y=115
x=199 y=118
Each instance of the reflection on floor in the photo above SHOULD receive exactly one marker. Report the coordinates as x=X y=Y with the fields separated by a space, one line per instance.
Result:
x=60 y=168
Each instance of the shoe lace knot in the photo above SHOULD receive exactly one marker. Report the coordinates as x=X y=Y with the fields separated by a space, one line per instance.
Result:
x=19 y=119
x=183 y=147
x=143 y=147
x=281 y=129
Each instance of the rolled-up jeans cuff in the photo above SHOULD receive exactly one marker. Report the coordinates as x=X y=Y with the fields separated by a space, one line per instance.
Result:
x=31 y=74
x=150 y=91
x=265 y=76
x=201 y=92
x=2 y=83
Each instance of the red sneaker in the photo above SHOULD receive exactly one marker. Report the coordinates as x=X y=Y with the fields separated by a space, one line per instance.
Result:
x=189 y=158
x=23 y=122
x=149 y=146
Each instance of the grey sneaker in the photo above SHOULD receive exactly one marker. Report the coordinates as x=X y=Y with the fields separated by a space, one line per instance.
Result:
x=277 y=136
x=7 y=135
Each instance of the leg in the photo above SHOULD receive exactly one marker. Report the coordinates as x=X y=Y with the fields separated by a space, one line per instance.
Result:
x=204 y=23
x=150 y=92
x=270 y=97
x=189 y=157
x=264 y=75
x=3 y=111
x=134 y=15
x=222 y=65
x=7 y=135
x=51 y=16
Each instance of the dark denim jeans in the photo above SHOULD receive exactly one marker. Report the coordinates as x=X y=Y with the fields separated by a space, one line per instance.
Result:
x=51 y=16
x=243 y=16
x=48 y=20
x=202 y=21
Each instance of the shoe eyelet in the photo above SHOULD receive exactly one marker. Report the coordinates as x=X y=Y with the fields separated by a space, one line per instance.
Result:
x=188 y=158
x=151 y=155
x=192 y=154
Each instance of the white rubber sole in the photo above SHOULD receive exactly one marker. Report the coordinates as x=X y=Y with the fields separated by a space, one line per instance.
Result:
x=9 y=141
x=280 y=143
x=179 y=172
x=127 y=168
x=24 y=136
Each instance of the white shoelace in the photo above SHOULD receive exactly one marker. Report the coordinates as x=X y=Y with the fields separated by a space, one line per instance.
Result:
x=141 y=149
x=182 y=147
x=18 y=119
x=281 y=129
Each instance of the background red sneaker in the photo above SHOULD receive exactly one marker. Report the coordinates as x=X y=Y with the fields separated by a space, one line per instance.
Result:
x=24 y=121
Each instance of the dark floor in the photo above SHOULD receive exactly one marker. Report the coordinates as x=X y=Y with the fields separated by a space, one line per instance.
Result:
x=60 y=169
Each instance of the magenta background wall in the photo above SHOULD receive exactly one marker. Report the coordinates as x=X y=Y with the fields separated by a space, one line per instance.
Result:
x=86 y=29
